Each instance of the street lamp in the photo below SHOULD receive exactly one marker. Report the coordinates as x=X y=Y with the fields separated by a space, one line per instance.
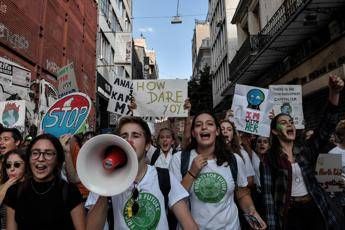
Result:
x=176 y=19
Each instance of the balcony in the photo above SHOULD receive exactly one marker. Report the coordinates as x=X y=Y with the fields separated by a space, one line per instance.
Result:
x=293 y=23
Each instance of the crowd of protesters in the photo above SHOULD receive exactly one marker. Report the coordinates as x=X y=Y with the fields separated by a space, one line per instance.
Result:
x=215 y=178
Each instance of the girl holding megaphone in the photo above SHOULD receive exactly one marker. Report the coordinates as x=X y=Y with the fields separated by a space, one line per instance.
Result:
x=142 y=205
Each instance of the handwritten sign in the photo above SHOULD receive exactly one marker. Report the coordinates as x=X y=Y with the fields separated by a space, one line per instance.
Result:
x=328 y=172
x=12 y=114
x=122 y=90
x=251 y=106
x=67 y=81
x=67 y=115
x=160 y=98
x=288 y=99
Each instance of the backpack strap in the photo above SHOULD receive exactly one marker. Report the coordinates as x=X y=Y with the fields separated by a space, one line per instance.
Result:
x=110 y=214
x=155 y=156
x=164 y=184
x=185 y=158
x=234 y=169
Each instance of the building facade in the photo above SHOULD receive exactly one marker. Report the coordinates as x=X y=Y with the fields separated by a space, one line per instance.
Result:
x=146 y=65
x=39 y=37
x=223 y=42
x=201 y=52
x=289 y=42
x=114 y=44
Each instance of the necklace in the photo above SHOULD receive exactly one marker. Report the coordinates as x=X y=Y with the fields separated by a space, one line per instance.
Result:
x=42 y=193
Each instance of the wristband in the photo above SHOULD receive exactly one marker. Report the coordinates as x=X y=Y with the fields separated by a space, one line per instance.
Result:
x=191 y=174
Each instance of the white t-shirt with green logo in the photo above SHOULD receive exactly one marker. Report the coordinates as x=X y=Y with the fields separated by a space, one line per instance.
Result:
x=212 y=193
x=151 y=214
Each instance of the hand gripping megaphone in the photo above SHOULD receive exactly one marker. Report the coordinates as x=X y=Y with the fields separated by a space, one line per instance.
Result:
x=107 y=165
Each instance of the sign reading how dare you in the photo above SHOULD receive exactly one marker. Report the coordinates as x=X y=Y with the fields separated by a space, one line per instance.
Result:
x=160 y=98
x=67 y=115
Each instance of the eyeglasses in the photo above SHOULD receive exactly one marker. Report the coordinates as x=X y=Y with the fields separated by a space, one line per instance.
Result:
x=133 y=209
x=16 y=164
x=47 y=155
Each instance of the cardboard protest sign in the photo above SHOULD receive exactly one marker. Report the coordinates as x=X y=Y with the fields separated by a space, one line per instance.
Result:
x=160 y=98
x=67 y=81
x=251 y=106
x=328 y=172
x=13 y=114
x=120 y=96
x=67 y=115
x=288 y=99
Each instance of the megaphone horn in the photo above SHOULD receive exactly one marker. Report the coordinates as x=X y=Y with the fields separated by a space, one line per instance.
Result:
x=107 y=165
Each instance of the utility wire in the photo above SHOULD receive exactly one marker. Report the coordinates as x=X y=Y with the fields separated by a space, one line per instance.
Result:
x=187 y=15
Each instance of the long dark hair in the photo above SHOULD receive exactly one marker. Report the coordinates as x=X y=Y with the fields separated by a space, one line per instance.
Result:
x=21 y=154
x=60 y=156
x=235 y=141
x=276 y=148
x=222 y=152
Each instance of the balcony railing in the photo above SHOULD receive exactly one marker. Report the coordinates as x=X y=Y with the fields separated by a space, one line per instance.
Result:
x=249 y=47
x=253 y=44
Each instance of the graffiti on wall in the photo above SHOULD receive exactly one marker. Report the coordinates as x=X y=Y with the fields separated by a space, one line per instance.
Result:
x=17 y=41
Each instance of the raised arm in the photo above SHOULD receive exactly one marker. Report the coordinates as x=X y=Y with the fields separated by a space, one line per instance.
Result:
x=335 y=84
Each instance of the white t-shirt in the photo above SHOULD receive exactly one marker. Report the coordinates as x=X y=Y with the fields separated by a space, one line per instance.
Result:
x=256 y=167
x=151 y=213
x=247 y=163
x=298 y=187
x=162 y=160
x=212 y=193
x=341 y=151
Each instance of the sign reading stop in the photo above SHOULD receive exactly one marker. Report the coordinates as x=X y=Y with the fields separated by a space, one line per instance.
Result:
x=67 y=115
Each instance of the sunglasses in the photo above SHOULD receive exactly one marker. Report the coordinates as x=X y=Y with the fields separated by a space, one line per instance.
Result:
x=133 y=209
x=15 y=164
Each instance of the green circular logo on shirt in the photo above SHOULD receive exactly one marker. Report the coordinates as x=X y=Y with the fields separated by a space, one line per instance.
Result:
x=210 y=187
x=148 y=215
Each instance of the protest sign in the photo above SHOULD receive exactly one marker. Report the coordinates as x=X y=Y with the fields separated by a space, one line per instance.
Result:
x=328 y=172
x=67 y=115
x=251 y=107
x=67 y=81
x=160 y=98
x=120 y=96
x=14 y=79
x=288 y=99
x=13 y=114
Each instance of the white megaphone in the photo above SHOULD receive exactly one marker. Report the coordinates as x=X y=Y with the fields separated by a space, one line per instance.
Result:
x=107 y=164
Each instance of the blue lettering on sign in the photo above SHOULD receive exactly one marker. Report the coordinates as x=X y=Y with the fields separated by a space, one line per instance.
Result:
x=61 y=121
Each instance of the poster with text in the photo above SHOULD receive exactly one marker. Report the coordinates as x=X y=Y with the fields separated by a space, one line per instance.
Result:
x=251 y=106
x=120 y=96
x=328 y=172
x=67 y=81
x=160 y=98
x=14 y=79
x=13 y=114
x=67 y=115
x=288 y=99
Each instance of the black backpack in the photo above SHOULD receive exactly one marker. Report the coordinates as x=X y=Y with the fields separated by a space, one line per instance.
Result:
x=156 y=154
x=185 y=158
